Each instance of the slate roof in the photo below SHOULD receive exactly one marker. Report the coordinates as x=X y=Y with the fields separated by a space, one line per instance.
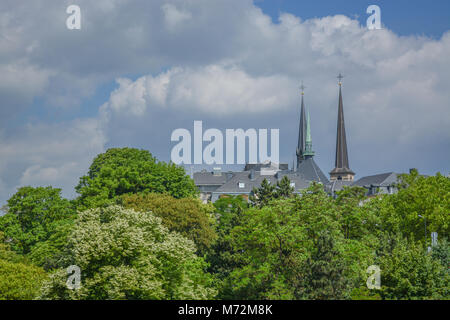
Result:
x=380 y=180
x=232 y=185
x=208 y=178
x=245 y=177
x=338 y=185
x=309 y=170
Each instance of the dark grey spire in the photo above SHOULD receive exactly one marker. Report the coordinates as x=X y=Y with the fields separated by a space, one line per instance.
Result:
x=342 y=168
x=301 y=132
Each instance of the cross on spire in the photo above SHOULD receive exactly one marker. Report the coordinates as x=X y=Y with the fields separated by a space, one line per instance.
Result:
x=302 y=87
x=340 y=77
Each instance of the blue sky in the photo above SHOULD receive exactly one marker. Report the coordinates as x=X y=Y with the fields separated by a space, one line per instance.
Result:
x=405 y=17
x=139 y=69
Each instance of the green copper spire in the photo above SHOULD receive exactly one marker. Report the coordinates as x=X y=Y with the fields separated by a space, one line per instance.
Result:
x=308 y=140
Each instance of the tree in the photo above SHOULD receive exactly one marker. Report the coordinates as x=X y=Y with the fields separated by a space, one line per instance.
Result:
x=271 y=244
x=19 y=280
x=229 y=211
x=284 y=188
x=124 y=254
x=348 y=200
x=121 y=171
x=409 y=272
x=37 y=218
x=188 y=216
x=323 y=276
x=417 y=195
x=441 y=252
x=263 y=195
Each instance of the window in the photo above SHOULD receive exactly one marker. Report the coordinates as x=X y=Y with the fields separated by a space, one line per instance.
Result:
x=292 y=184
x=241 y=185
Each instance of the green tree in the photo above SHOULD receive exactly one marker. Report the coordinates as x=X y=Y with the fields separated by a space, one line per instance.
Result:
x=284 y=188
x=263 y=195
x=188 y=216
x=409 y=272
x=323 y=275
x=441 y=252
x=271 y=245
x=121 y=171
x=229 y=211
x=38 y=218
x=352 y=219
x=124 y=254
x=417 y=195
x=19 y=280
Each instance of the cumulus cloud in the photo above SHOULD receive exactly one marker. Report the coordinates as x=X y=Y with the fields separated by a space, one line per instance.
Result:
x=396 y=80
x=213 y=89
x=49 y=154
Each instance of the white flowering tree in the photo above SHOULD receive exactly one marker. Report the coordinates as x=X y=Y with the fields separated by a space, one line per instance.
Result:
x=124 y=254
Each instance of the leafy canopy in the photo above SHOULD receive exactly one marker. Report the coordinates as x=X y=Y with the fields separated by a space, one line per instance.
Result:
x=124 y=254
x=188 y=216
x=37 y=223
x=121 y=171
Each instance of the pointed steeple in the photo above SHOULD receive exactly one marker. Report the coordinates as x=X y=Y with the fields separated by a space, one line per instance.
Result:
x=308 y=141
x=307 y=169
x=301 y=131
x=342 y=169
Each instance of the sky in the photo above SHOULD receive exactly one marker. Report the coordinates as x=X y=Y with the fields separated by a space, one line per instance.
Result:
x=137 y=70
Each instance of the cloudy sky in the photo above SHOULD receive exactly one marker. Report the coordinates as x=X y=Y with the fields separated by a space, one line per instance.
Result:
x=139 y=69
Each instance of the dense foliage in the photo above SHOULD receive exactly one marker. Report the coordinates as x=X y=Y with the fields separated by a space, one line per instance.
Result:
x=138 y=231
x=18 y=278
x=127 y=171
x=187 y=216
x=37 y=223
x=124 y=254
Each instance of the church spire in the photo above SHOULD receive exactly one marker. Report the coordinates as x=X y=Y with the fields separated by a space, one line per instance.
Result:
x=342 y=169
x=301 y=131
x=308 y=141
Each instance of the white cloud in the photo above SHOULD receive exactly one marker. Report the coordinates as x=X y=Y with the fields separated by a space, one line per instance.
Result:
x=214 y=89
x=174 y=17
x=49 y=154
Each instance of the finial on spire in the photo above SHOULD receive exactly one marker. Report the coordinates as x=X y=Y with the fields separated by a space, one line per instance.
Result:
x=302 y=87
x=340 y=77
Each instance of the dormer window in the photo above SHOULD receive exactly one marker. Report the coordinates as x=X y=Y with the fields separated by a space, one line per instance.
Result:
x=241 y=185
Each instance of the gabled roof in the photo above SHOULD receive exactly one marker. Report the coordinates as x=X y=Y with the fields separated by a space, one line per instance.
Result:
x=379 y=180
